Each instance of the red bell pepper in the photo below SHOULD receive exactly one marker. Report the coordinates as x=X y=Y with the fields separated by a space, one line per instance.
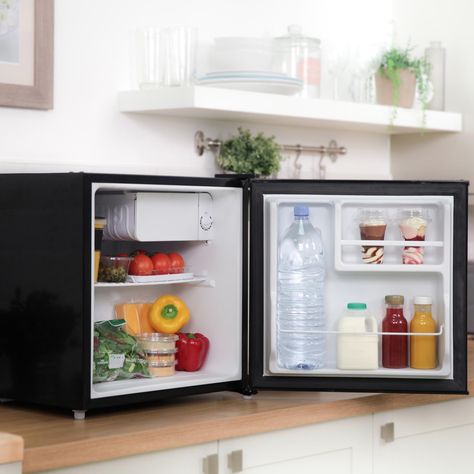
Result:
x=192 y=351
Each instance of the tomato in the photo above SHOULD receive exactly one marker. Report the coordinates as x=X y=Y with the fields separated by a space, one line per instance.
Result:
x=141 y=265
x=161 y=263
x=122 y=254
x=139 y=252
x=176 y=263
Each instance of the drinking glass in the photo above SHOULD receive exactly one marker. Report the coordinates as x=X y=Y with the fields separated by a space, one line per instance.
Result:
x=179 y=46
x=149 y=57
x=337 y=61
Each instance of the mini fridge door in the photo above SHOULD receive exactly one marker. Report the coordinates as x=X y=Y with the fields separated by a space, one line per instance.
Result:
x=336 y=207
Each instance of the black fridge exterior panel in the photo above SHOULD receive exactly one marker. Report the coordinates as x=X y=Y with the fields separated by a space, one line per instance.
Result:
x=42 y=298
x=45 y=319
x=358 y=384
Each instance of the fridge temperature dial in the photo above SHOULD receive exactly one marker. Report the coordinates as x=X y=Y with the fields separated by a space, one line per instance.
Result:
x=205 y=221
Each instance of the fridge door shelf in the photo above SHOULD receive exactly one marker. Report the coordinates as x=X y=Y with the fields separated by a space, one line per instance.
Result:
x=375 y=333
x=441 y=372
x=393 y=243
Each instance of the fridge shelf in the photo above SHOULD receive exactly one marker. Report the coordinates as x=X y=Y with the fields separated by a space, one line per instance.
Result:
x=193 y=280
x=393 y=243
x=178 y=380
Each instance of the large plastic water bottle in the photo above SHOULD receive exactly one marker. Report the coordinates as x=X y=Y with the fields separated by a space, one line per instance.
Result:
x=300 y=301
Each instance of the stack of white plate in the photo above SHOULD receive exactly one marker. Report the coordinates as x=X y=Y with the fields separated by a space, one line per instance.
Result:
x=254 y=81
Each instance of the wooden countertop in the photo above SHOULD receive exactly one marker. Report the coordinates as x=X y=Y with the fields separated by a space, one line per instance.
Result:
x=54 y=440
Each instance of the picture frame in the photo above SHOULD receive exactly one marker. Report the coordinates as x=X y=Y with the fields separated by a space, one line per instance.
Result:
x=30 y=74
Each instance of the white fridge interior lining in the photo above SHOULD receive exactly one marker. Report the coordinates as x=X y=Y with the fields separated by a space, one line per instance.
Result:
x=215 y=303
x=348 y=279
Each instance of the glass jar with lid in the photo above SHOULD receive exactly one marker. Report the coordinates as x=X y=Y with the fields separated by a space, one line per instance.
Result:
x=300 y=56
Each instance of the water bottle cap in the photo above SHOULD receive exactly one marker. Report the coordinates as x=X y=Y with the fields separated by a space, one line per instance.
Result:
x=301 y=211
x=356 y=306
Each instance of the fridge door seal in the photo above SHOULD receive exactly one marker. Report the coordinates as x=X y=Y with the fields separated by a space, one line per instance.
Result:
x=261 y=379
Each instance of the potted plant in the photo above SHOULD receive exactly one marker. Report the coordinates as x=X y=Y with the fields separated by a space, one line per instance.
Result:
x=247 y=154
x=398 y=76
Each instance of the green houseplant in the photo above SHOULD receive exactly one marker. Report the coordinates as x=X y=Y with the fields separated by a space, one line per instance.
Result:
x=249 y=154
x=397 y=77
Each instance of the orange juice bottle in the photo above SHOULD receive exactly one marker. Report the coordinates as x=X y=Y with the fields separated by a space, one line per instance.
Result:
x=423 y=348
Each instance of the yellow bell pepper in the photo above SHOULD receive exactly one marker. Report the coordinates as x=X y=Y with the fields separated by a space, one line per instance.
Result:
x=168 y=314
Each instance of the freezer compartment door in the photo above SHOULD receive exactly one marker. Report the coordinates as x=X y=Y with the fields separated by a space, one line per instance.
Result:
x=430 y=263
x=157 y=216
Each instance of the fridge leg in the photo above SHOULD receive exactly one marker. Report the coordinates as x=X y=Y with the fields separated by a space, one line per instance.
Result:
x=79 y=414
x=248 y=392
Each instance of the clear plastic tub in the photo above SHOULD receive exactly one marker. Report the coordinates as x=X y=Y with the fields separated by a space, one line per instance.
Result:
x=157 y=342
x=162 y=369
x=113 y=269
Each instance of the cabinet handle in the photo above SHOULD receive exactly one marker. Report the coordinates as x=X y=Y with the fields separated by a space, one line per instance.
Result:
x=210 y=464
x=235 y=461
x=387 y=432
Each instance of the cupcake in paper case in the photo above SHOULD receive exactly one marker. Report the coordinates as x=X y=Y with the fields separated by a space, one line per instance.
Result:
x=372 y=226
x=413 y=223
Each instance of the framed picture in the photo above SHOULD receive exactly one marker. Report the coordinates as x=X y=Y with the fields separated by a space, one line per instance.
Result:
x=26 y=53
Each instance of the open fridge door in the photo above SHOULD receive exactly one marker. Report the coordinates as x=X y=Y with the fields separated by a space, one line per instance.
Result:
x=361 y=268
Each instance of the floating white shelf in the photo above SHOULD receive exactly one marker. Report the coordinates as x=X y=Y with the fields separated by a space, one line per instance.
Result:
x=225 y=104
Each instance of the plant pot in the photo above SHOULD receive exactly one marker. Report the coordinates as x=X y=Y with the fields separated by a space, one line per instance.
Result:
x=385 y=93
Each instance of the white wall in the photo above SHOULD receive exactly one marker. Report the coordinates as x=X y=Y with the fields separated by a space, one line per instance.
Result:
x=441 y=156
x=85 y=131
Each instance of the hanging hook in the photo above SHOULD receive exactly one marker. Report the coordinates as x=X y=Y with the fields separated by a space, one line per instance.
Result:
x=296 y=164
x=322 y=168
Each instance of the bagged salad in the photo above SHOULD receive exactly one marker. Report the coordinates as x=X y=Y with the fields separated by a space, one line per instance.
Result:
x=116 y=353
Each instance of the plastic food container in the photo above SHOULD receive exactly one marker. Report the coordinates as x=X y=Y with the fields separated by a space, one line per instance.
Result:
x=113 y=269
x=160 y=357
x=162 y=369
x=157 y=342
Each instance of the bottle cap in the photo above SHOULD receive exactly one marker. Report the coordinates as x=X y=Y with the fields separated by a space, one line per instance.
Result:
x=356 y=306
x=423 y=300
x=394 y=299
x=301 y=211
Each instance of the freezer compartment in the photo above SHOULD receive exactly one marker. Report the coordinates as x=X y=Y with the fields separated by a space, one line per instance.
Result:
x=156 y=216
x=213 y=293
x=349 y=279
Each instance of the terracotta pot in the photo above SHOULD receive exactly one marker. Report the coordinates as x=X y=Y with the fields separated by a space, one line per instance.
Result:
x=384 y=89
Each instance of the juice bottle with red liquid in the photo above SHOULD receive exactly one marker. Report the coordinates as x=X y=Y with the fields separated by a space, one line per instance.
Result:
x=394 y=348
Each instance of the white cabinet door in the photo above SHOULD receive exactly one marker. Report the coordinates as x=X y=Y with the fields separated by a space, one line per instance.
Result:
x=337 y=447
x=187 y=460
x=11 y=468
x=432 y=439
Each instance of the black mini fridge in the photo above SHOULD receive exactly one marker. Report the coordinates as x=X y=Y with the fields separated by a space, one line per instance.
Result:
x=228 y=231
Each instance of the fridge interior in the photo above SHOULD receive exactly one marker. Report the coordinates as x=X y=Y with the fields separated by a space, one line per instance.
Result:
x=214 y=292
x=349 y=279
